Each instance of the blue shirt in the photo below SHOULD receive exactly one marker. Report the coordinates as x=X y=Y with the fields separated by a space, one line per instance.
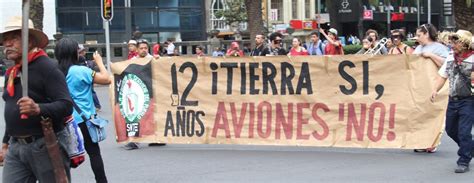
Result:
x=79 y=81
x=317 y=49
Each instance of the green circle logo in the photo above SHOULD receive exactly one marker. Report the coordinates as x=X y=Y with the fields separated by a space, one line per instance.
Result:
x=134 y=98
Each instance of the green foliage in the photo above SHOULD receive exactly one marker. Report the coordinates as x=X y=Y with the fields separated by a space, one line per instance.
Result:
x=409 y=43
x=351 y=49
x=235 y=12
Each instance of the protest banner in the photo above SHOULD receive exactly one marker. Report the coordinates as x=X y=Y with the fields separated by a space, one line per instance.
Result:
x=332 y=101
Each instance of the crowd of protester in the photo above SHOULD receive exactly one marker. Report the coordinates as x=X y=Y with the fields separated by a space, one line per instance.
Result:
x=452 y=52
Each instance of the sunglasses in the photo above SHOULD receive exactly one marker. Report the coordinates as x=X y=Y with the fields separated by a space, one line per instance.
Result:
x=396 y=36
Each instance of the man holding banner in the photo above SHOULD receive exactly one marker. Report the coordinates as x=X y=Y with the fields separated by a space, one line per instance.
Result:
x=458 y=68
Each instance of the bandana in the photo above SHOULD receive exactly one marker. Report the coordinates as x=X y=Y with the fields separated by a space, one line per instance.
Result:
x=461 y=57
x=13 y=71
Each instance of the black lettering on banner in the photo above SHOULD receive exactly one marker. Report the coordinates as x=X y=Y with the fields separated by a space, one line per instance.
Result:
x=379 y=90
x=174 y=80
x=214 y=67
x=190 y=120
x=286 y=79
x=190 y=86
x=200 y=123
x=304 y=80
x=269 y=78
x=253 y=78
x=347 y=77
x=169 y=124
x=181 y=122
x=365 y=81
x=230 y=73
x=243 y=79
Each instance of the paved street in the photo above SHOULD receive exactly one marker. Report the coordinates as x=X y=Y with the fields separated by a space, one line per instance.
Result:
x=237 y=163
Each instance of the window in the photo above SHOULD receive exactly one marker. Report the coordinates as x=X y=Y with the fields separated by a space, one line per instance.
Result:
x=217 y=5
x=218 y=22
x=91 y=3
x=278 y=6
x=71 y=21
x=190 y=2
x=93 y=21
x=118 y=21
x=143 y=3
x=307 y=9
x=169 y=19
x=168 y=3
x=294 y=9
x=323 y=7
x=191 y=20
x=69 y=3
x=144 y=19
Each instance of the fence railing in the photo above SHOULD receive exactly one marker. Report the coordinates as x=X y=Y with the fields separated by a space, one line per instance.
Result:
x=119 y=51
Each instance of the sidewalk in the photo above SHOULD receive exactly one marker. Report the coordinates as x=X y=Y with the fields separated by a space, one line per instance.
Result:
x=2 y=82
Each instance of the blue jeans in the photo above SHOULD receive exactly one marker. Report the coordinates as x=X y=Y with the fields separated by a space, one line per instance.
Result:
x=459 y=120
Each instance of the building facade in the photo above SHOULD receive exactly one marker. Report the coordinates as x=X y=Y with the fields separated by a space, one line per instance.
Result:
x=157 y=20
x=302 y=14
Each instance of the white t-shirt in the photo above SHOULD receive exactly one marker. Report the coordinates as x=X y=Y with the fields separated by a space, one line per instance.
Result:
x=170 y=49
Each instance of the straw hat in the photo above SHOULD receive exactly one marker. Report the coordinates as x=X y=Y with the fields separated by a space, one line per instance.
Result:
x=464 y=36
x=14 y=24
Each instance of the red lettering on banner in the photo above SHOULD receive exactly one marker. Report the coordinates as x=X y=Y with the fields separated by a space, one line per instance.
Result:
x=300 y=121
x=374 y=133
x=370 y=130
x=252 y=120
x=325 y=133
x=391 y=123
x=341 y=112
x=281 y=122
x=221 y=121
x=352 y=122
x=268 y=129
x=238 y=123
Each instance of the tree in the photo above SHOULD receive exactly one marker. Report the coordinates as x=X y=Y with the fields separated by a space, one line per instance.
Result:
x=255 y=23
x=234 y=13
x=37 y=13
x=463 y=14
x=238 y=11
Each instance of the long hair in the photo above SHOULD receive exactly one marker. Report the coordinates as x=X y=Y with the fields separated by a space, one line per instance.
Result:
x=430 y=30
x=66 y=54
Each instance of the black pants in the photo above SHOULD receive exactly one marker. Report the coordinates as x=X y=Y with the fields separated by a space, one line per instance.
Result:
x=93 y=150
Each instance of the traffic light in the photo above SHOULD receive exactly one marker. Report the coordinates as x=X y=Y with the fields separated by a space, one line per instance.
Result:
x=107 y=10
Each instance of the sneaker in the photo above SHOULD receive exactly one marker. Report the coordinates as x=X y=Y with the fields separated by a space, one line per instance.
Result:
x=461 y=169
x=156 y=144
x=432 y=149
x=419 y=150
x=131 y=146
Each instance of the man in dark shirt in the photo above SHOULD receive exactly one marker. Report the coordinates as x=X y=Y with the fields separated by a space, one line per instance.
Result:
x=27 y=159
x=260 y=49
x=276 y=44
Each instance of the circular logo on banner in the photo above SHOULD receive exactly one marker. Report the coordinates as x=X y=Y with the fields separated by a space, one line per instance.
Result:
x=134 y=98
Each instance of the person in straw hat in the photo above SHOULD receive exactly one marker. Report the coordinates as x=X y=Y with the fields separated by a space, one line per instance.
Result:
x=458 y=68
x=26 y=156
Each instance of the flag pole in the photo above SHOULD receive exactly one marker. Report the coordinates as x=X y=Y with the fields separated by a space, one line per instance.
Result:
x=24 y=44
